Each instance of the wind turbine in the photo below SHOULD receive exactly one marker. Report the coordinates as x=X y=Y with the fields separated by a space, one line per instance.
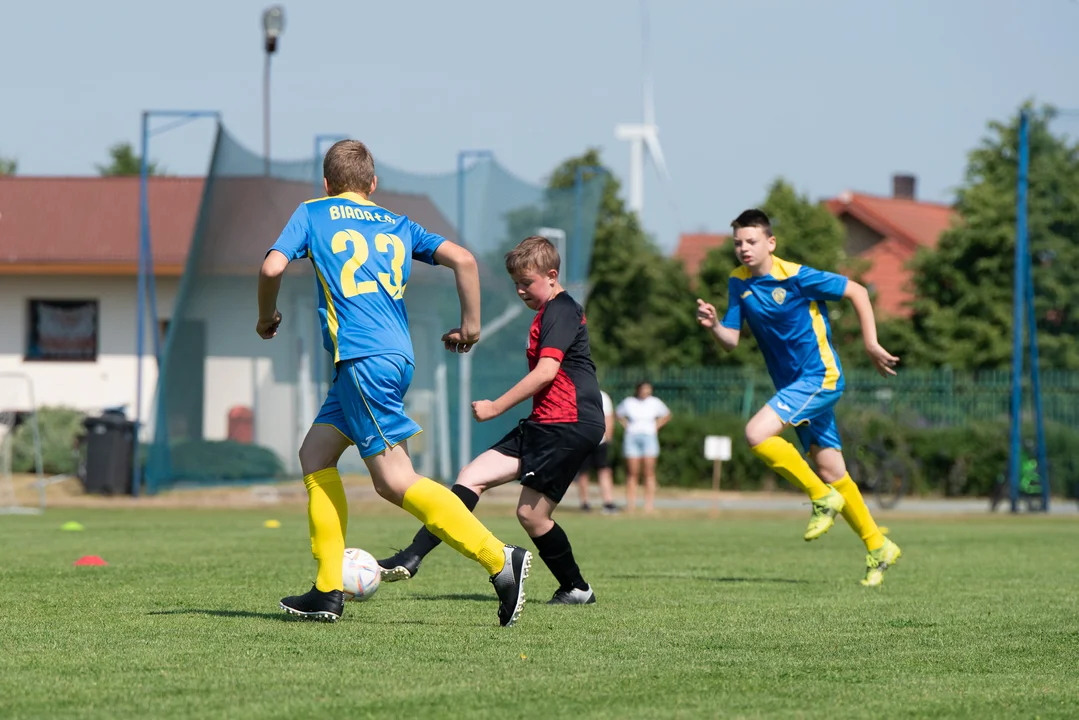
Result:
x=644 y=137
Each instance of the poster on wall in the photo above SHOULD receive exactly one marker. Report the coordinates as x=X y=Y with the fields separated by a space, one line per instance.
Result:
x=62 y=330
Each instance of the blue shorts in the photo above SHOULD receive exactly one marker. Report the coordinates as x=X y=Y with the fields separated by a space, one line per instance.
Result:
x=810 y=409
x=366 y=403
x=640 y=445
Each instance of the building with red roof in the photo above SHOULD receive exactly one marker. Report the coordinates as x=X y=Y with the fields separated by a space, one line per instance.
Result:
x=884 y=231
x=69 y=254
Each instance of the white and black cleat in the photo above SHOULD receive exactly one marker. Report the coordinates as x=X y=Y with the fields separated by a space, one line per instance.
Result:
x=573 y=596
x=316 y=605
x=402 y=566
x=510 y=584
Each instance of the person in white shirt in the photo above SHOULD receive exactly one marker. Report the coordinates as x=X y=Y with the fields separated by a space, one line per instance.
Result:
x=600 y=461
x=642 y=416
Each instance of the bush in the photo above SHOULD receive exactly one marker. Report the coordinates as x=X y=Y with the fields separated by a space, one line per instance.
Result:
x=210 y=460
x=681 y=459
x=59 y=429
x=952 y=461
x=963 y=460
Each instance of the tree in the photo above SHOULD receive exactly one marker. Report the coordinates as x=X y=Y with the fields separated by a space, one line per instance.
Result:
x=964 y=288
x=8 y=166
x=640 y=309
x=124 y=161
x=807 y=234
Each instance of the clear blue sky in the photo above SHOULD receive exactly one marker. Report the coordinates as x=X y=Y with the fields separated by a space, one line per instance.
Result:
x=832 y=94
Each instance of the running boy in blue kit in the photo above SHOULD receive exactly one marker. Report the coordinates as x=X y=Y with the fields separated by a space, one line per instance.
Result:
x=546 y=450
x=362 y=255
x=784 y=305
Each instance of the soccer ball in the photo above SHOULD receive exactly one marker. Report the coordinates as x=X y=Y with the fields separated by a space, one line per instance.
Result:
x=361 y=574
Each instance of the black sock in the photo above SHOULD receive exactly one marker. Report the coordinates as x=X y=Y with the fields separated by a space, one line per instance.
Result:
x=425 y=540
x=555 y=551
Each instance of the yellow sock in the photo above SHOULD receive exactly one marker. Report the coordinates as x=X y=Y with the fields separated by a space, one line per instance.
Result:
x=327 y=519
x=447 y=517
x=781 y=456
x=857 y=514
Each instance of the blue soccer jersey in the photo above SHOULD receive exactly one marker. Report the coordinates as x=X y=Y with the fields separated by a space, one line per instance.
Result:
x=787 y=314
x=362 y=255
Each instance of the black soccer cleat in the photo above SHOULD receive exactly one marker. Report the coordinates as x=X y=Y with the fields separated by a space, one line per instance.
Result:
x=316 y=605
x=402 y=566
x=573 y=596
x=510 y=584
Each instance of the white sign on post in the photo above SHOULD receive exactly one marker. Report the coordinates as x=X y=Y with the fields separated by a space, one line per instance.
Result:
x=717 y=447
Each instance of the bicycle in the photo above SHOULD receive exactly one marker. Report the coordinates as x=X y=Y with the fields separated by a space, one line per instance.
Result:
x=878 y=470
x=1030 y=486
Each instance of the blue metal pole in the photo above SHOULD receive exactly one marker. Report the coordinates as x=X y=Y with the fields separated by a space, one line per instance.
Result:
x=464 y=360
x=1035 y=383
x=1021 y=257
x=144 y=214
x=317 y=174
x=317 y=155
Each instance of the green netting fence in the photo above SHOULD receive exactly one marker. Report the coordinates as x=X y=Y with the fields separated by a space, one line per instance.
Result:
x=230 y=406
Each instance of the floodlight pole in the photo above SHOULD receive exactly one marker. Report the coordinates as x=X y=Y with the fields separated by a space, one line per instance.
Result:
x=464 y=360
x=273 y=24
x=147 y=285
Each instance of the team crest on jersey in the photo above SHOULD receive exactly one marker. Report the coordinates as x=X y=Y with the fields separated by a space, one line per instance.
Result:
x=779 y=295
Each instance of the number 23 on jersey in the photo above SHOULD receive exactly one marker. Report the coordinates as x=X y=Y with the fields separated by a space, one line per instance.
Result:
x=384 y=243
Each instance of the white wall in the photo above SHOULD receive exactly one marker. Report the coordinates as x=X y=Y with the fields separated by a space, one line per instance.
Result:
x=86 y=386
x=275 y=378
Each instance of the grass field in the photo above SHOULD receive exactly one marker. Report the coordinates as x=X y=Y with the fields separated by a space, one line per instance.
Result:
x=697 y=617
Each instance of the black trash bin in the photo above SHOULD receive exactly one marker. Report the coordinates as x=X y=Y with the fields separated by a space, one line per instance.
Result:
x=110 y=441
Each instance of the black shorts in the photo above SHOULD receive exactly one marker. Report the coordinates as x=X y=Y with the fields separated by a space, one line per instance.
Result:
x=551 y=453
x=598 y=459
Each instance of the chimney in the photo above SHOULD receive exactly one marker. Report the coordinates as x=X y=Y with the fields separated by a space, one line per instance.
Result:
x=903 y=186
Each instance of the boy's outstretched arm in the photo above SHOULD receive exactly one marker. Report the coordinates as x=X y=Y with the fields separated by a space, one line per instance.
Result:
x=273 y=267
x=884 y=361
x=707 y=318
x=466 y=272
x=530 y=384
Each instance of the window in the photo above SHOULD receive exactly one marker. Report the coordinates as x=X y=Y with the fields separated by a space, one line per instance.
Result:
x=62 y=330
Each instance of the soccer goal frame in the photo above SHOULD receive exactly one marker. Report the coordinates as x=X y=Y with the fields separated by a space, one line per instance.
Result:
x=9 y=503
x=1024 y=338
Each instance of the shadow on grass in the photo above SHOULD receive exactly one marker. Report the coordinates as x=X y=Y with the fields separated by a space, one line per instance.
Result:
x=285 y=617
x=226 y=613
x=672 y=576
x=457 y=596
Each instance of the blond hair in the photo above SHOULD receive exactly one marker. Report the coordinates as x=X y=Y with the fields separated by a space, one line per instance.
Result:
x=349 y=167
x=533 y=254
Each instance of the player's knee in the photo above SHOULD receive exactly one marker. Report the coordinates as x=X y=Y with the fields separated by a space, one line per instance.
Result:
x=472 y=479
x=830 y=467
x=475 y=477
x=314 y=457
x=387 y=492
x=533 y=520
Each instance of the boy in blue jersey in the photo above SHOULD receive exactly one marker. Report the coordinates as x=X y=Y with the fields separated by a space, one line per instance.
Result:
x=784 y=305
x=362 y=255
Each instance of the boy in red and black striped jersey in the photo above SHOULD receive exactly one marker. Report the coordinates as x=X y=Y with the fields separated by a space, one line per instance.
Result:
x=546 y=450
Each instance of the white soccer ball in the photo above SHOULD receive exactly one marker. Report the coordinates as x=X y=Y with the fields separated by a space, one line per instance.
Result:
x=361 y=574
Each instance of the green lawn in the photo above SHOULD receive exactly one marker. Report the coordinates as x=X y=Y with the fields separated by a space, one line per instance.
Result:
x=696 y=617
